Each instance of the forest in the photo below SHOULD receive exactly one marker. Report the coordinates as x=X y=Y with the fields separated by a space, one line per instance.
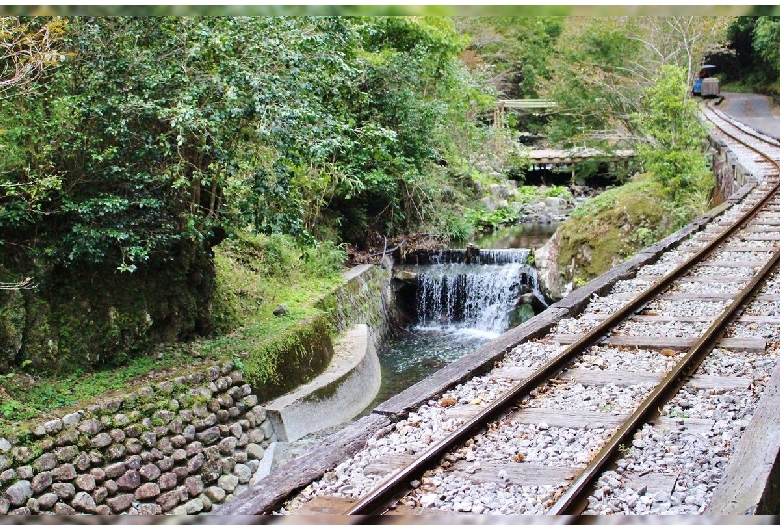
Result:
x=166 y=182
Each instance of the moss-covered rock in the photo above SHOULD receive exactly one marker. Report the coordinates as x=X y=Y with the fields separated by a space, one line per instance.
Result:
x=607 y=230
x=90 y=315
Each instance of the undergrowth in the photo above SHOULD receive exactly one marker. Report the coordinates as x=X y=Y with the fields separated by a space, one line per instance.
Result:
x=255 y=274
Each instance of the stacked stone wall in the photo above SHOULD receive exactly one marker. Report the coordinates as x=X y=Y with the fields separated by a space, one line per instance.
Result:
x=180 y=446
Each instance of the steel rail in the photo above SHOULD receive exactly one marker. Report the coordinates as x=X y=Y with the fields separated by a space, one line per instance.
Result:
x=574 y=500
x=372 y=502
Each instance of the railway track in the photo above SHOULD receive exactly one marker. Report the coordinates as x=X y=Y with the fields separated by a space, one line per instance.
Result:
x=635 y=406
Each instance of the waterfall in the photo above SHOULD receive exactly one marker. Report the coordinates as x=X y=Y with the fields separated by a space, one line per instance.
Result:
x=476 y=291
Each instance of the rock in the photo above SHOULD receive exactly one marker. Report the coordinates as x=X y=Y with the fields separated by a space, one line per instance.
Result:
x=181 y=472
x=84 y=482
x=21 y=454
x=101 y=440
x=18 y=493
x=45 y=462
x=41 y=482
x=280 y=310
x=149 y=472
x=5 y=463
x=228 y=482
x=147 y=491
x=90 y=427
x=207 y=504
x=71 y=420
x=196 y=462
x=115 y=470
x=228 y=463
x=115 y=452
x=133 y=431
x=111 y=486
x=100 y=494
x=5 y=445
x=64 y=473
x=64 y=490
x=25 y=472
x=148 y=508
x=179 y=455
x=47 y=500
x=129 y=481
x=189 y=433
x=211 y=471
x=255 y=451
x=133 y=462
x=227 y=446
x=168 y=500
x=69 y=436
x=165 y=464
x=194 y=506
x=98 y=473
x=120 y=503
x=66 y=454
x=133 y=446
x=165 y=445
x=209 y=436
x=63 y=509
x=20 y=511
x=216 y=494
x=178 y=441
x=83 y=501
x=179 y=511
x=102 y=510
x=167 y=481
x=148 y=439
x=243 y=473
x=194 y=486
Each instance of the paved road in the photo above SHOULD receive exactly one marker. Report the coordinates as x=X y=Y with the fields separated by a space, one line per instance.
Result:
x=753 y=110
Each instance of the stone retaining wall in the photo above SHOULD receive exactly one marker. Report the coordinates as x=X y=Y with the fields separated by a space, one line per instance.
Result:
x=730 y=174
x=179 y=446
x=183 y=445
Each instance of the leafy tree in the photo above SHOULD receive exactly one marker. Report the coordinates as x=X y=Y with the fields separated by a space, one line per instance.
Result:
x=603 y=65
x=673 y=151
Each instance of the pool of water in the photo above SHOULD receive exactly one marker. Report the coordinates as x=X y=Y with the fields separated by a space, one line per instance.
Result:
x=527 y=235
x=421 y=351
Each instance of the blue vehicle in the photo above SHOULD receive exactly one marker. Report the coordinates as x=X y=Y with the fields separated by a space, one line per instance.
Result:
x=705 y=85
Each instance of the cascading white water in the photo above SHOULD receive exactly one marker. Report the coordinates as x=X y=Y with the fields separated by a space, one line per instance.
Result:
x=479 y=296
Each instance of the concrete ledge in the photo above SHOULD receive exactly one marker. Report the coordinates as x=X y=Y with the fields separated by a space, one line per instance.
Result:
x=345 y=389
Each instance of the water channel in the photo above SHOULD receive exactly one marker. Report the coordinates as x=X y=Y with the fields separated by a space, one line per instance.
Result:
x=460 y=306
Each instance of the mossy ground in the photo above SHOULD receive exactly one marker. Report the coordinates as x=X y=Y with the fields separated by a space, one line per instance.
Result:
x=613 y=226
x=253 y=276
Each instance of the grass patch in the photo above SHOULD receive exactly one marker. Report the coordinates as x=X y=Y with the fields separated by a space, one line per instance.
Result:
x=254 y=275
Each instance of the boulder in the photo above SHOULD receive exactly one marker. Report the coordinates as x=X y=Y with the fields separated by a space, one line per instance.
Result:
x=18 y=493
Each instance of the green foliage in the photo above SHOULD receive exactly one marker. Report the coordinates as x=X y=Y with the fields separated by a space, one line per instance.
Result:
x=559 y=191
x=674 y=152
x=491 y=219
x=459 y=228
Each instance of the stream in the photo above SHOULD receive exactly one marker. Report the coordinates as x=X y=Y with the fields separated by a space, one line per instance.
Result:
x=461 y=306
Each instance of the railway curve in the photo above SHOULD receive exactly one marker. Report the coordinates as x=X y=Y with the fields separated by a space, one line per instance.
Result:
x=647 y=402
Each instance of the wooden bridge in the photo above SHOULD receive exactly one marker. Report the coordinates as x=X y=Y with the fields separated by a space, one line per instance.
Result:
x=548 y=157
x=499 y=115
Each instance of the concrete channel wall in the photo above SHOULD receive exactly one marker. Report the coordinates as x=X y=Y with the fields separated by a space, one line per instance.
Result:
x=271 y=491
x=187 y=443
